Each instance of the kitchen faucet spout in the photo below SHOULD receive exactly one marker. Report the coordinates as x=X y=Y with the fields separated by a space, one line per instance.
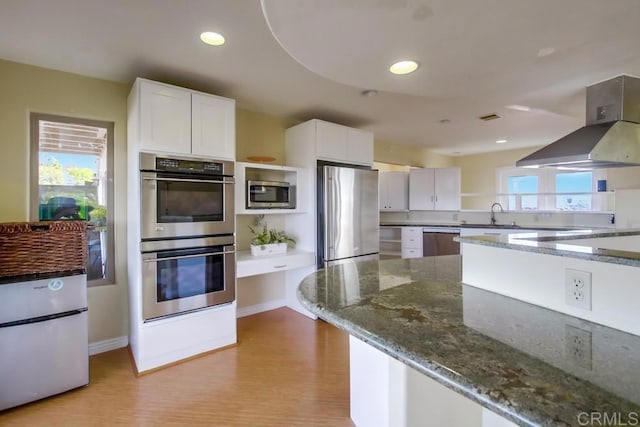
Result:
x=493 y=214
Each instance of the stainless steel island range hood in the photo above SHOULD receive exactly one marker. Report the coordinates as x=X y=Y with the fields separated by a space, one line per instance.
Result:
x=611 y=137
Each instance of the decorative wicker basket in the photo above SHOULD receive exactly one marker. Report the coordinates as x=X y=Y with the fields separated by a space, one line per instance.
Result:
x=42 y=247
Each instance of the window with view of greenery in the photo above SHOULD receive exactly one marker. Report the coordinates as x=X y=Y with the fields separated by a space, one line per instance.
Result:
x=71 y=174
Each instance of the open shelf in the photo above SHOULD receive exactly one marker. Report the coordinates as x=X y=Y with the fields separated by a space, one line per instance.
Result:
x=296 y=177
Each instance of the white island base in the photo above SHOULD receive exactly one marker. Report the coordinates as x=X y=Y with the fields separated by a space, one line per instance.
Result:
x=388 y=393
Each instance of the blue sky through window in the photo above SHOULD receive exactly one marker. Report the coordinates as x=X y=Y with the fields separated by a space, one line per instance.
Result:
x=578 y=182
x=523 y=184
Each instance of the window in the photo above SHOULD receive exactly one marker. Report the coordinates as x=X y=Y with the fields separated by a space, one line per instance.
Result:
x=71 y=178
x=523 y=189
x=569 y=182
x=519 y=185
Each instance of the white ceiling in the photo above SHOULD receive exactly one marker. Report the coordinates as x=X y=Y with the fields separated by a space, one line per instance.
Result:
x=477 y=57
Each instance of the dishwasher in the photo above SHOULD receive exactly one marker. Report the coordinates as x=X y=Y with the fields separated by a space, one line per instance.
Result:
x=439 y=241
x=43 y=338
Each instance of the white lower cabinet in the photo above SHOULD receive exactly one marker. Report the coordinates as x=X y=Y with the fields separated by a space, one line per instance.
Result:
x=411 y=242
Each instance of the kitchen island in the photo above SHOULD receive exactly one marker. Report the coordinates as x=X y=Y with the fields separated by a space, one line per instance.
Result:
x=418 y=336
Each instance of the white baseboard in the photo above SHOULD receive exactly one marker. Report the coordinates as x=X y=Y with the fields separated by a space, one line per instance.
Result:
x=108 y=345
x=259 y=308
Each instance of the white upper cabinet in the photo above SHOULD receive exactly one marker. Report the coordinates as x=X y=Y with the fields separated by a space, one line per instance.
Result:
x=434 y=189
x=359 y=146
x=331 y=141
x=343 y=144
x=213 y=126
x=165 y=118
x=394 y=191
x=181 y=121
x=447 y=189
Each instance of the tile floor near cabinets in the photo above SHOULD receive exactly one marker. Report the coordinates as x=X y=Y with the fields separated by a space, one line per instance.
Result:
x=285 y=370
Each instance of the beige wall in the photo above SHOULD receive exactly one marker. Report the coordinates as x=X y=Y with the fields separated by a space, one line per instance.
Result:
x=388 y=152
x=478 y=174
x=260 y=135
x=25 y=89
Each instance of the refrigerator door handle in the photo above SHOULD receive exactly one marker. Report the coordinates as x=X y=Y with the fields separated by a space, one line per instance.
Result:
x=328 y=206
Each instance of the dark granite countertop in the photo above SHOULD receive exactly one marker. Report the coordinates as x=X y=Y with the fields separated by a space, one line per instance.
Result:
x=528 y=364
x=593 y=245
x=490 y=226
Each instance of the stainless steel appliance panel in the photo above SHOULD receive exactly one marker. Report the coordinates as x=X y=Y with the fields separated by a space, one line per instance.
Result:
x=42 y=359
x=26 y=300
x=188 y=197
x=178 y=276
x=351 y=214
x=270 y=195
x=43 y=337
x=440 y=243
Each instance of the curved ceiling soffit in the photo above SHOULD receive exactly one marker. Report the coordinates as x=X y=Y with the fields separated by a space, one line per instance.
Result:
x=344 y=40
x=465 y=49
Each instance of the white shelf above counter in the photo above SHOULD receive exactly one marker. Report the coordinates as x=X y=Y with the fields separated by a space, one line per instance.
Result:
x=249 y=265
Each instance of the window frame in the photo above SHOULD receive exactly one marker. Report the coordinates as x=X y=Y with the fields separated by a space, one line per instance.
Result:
x=547 y=186
x=34 y=187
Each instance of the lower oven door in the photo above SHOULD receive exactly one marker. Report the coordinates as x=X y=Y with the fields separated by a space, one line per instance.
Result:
x=183 y=279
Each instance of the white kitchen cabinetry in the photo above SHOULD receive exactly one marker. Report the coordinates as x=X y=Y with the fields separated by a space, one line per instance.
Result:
x=390 y=242
x=411 y=242
x=181 y=121
x=434 y=189
x=394 y=191
x=336 y=143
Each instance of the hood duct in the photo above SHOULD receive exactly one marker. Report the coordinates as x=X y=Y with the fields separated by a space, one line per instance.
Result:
x=611 y=137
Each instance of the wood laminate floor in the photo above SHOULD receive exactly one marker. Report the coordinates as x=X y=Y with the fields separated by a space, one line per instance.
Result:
x=286 y=370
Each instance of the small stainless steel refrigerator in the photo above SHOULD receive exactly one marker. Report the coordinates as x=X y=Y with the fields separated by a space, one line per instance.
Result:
x=43 y=338
x=348 y=213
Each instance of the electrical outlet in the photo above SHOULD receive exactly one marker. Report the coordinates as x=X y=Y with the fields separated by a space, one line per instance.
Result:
x=578 y=288
x=578 y=347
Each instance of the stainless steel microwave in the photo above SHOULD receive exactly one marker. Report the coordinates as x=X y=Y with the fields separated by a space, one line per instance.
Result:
x=270 y=195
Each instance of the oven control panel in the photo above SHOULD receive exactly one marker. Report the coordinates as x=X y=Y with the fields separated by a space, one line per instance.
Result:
x=189 y=166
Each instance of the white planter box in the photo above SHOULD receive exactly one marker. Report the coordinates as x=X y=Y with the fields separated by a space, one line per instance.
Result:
x=270 y=249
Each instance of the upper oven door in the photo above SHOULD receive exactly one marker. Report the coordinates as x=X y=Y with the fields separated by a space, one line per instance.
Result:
x=180 y=205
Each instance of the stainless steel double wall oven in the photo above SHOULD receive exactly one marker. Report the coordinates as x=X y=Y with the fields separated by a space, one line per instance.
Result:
x=187 y=228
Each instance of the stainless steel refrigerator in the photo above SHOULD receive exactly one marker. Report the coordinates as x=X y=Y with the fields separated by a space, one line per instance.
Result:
x=348 y=213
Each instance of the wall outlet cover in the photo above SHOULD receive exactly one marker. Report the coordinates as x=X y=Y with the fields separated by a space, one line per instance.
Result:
x=578 y=347
x=578 y=288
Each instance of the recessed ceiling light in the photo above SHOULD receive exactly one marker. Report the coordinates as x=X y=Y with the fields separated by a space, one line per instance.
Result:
x=546 y=51
x=404 y=67
x=518 y=107
x=212 y=38
x=501 y=141
x=445 y=121
x=369 y=92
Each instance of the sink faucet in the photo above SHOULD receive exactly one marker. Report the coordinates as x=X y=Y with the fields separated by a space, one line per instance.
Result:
x=493 y=214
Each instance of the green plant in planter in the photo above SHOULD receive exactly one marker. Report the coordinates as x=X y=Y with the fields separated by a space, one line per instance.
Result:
x=262 y=235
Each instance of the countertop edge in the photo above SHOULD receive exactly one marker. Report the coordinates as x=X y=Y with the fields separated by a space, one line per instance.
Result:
x=547 y=247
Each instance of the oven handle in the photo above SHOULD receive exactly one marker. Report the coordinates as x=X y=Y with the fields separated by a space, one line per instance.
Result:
x=188 y=256
x=209 y=181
